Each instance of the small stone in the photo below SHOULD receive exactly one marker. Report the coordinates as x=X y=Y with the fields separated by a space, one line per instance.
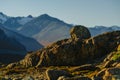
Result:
x=53 y=74
x=73 y=78
x=28 y=78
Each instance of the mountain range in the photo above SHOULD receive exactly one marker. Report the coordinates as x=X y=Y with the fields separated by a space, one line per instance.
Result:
x=13 y=23
x=44 y=28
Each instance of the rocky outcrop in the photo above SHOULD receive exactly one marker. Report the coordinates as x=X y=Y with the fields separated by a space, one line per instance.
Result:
x=99 y=71
x=68 y=52
x=74 y=52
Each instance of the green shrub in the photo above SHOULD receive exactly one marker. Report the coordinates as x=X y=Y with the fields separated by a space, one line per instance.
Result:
x=116 y=56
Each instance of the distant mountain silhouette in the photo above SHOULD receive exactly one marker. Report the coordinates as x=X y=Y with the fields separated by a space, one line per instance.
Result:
x=101 y=29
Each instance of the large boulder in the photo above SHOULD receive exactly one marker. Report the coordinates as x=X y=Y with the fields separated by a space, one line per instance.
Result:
x=79 y=32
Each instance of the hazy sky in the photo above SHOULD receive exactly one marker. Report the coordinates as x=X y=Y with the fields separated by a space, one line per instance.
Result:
x=84 y=12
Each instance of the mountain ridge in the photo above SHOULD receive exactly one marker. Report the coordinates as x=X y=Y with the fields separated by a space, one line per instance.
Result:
x=46 y=28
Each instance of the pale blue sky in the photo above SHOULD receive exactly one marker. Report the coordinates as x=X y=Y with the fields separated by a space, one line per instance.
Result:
x=84 y=12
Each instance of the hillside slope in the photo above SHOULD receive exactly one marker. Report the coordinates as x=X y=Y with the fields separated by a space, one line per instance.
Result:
x=10 y=47
x=29 y=43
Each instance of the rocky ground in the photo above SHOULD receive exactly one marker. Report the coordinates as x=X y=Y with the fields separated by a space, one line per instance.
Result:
x=109 y=69
x=81 y=57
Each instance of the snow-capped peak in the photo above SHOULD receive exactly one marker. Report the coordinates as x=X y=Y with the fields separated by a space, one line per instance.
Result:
x=3 y=17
